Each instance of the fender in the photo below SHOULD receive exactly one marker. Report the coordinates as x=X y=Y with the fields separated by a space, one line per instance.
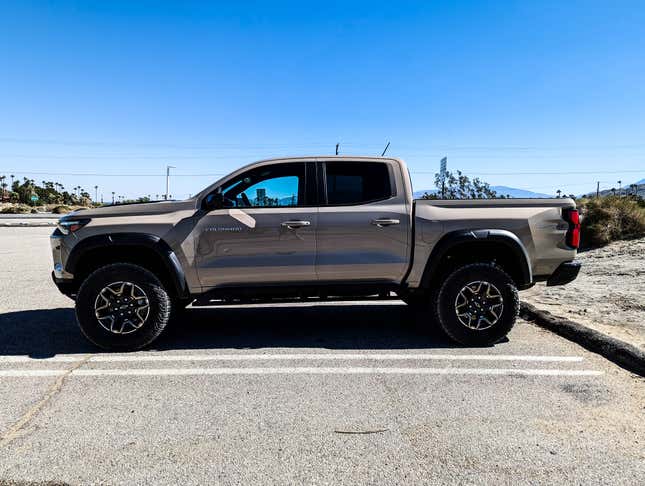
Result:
x=503 y=237
x=152 y=242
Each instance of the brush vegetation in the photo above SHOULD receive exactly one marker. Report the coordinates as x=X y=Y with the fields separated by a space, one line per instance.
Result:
x=611 y=218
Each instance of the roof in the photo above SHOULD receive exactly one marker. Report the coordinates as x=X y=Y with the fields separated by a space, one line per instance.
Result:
x=353 y=158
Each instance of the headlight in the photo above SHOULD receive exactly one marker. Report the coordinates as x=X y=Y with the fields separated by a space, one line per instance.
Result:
x=67 y=226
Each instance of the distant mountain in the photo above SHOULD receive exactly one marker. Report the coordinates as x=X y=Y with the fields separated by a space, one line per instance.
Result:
x=419 y=194
x=500 y=190
x=514 y=192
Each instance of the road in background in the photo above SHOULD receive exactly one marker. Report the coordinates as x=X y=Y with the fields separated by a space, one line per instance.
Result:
x=300 y=393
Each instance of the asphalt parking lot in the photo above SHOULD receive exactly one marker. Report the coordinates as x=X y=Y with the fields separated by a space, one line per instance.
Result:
x=300 y=393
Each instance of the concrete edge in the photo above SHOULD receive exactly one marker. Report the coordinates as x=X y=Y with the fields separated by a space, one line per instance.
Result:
x=26 y=224
x=623 y=354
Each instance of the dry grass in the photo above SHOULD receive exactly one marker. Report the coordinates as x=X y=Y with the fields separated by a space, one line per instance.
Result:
x=610 y=219
x=11 y=208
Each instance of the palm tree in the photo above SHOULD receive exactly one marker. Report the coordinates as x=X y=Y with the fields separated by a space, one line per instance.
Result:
x=96 y=193
x=12 y=176
x=558 y=192
x=619 y=183
x=112 y=197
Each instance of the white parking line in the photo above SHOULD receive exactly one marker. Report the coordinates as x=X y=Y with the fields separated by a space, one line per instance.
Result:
x=31 y=373
x=303 y=371
x=108 y=358
x=336 y=356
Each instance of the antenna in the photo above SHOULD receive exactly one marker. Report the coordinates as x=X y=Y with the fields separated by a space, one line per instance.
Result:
x=337 y=145
x=385 y=149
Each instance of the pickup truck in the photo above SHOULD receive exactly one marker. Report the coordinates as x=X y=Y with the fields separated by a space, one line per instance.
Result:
x=312 y=228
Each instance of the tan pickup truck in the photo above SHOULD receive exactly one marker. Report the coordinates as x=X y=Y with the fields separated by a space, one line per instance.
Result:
x=307 y=228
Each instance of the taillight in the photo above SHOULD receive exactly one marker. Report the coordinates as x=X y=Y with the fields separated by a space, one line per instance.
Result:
x=572 y=217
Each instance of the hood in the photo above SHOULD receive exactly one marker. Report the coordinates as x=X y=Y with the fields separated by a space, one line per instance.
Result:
x=135 y=209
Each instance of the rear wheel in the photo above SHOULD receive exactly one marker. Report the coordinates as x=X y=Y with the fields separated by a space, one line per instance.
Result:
x=122 y=307
x=478 y=304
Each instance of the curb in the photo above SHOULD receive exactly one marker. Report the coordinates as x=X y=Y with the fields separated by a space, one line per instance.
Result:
x=623 y=354
x=27 y=224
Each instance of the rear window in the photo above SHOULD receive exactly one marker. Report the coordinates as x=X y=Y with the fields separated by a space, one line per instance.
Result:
x=357 y=182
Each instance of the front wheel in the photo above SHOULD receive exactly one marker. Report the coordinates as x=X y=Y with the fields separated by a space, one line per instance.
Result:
x=478 y=304
x=122 y=307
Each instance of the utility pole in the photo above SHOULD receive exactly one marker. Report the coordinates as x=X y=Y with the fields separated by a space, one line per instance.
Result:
x=597 y=189
x=337 y=145
x=168 y=167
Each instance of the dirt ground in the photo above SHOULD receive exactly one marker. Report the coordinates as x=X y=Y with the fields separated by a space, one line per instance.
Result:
x=608 y=295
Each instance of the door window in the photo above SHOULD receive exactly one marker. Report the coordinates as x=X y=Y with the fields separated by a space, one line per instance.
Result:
x=357 y=182
x=280 y=185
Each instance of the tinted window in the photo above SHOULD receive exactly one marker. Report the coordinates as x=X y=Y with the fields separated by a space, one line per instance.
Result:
x=357 y=182
x=268 y=186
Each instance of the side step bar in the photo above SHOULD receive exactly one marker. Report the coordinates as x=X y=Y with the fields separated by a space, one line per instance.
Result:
x=214 y=301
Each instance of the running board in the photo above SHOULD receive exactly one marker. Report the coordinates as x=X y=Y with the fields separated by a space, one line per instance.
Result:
x=205 y=301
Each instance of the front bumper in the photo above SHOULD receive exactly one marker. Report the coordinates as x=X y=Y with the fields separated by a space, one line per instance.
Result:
x=565 y=273
x=62 y=279
x=67 y=287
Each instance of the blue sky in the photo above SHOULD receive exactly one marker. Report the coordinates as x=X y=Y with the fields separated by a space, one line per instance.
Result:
x=504 y=89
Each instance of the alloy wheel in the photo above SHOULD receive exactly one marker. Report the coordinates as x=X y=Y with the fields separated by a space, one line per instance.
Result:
x=479 y=305
x=122 y=307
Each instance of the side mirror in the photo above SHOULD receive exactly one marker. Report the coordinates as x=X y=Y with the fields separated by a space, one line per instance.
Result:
x=214 y=200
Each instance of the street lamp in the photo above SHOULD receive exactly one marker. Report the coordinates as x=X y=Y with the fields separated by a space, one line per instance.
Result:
x=168 y=167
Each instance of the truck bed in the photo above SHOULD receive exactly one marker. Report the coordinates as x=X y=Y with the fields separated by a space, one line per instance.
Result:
x=537 y=223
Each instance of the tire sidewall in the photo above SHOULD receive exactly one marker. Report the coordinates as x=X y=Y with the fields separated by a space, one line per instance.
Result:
x=448 y=319
x=157 y=297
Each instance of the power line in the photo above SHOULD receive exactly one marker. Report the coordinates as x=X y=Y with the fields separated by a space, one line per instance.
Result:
x=246 y=145
x=624 y=171
x=215 y=174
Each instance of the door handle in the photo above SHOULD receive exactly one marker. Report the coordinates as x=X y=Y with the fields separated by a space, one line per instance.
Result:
x=294 y=224
x=385 y=222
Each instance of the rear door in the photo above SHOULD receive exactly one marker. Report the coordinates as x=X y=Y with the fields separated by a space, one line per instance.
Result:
x=266 y=234
x=363 y=223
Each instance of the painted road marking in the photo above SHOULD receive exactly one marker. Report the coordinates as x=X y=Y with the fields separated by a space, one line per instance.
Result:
x=302 y=371
x=110 y=358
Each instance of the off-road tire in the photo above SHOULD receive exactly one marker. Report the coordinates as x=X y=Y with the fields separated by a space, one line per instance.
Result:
x=178 y=311
x=159 y=301
x=451 y=287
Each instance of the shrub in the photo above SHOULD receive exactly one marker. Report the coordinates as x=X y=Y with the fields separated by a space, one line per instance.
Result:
x=17 y=209
x=609 y=219
x=61 y=210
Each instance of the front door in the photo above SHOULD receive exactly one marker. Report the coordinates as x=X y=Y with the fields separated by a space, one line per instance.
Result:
x=363 y=223
x=265 y=234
